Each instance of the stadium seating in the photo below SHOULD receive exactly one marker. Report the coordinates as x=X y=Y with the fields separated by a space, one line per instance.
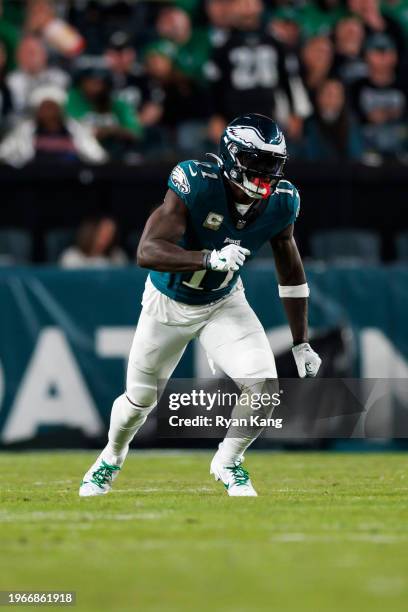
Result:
x=132 y=242
x=56 y=241
x=346 y=246
x=401 y=243
x=15 y=246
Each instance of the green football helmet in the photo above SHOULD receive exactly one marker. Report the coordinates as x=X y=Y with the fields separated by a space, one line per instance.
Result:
x=253 y=154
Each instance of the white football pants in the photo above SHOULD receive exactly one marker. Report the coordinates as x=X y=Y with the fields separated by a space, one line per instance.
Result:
x=228 y=330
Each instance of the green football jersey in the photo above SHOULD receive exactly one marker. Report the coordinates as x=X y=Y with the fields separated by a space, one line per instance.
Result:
x=214 y=222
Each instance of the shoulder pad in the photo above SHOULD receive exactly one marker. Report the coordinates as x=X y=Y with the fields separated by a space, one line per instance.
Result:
x=181 y=180
x=189 y=178
x=289 y=197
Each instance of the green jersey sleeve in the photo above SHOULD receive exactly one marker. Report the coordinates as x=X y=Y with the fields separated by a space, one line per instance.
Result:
x=184 y=180
x=290 y=201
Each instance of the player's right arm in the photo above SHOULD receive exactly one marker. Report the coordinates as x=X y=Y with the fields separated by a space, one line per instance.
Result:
x=158 y=248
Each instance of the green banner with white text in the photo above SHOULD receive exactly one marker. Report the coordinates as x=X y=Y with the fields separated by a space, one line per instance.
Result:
x=65 y=336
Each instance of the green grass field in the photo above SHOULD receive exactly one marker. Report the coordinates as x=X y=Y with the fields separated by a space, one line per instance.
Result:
x=329 y=532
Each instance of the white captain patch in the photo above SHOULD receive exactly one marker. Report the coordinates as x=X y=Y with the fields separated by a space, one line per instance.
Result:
x=179 y=179
x=252 y=138
x=213 y=221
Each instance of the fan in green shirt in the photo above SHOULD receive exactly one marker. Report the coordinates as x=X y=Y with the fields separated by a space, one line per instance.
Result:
x=113 y=121
x=192 y=44
x=192 y=56
x=120 y=112
x=399 y=10
x=11 y=23
x=191 y=7
x=316 y=19
x=92 y=101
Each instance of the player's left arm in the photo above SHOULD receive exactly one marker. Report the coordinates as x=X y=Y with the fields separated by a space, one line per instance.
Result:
x=294 y=292
x=290 y=272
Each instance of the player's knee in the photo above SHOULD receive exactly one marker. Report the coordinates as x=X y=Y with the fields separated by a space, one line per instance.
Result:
x=141 y=395
x=141 y=385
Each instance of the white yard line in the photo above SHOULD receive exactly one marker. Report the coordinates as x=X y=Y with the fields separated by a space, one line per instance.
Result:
x=44 y=516
x=374 y=538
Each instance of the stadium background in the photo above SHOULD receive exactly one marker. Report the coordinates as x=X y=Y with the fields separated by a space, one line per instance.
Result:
x=98 y=101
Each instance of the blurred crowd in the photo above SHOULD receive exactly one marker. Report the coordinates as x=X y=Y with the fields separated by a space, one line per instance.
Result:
x=133 y=80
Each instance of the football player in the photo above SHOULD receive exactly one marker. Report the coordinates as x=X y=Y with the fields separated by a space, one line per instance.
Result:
x=214 y=218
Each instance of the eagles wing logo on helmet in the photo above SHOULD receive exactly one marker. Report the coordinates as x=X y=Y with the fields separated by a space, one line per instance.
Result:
x=250 y=137
x=179 y=179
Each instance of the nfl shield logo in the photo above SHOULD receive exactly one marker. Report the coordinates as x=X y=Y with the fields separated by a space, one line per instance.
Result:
x=213 y=221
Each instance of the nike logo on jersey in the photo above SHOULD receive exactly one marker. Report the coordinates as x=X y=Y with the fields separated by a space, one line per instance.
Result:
x=193 y=173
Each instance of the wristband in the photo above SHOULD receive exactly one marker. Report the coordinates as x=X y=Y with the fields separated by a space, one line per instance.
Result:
x=206 y=261
x=295 y=291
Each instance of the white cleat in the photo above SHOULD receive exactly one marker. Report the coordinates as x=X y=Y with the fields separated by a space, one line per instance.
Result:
x=98 y=479
x=234 y=477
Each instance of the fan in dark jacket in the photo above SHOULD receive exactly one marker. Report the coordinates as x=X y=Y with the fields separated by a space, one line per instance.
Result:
x=332 y=133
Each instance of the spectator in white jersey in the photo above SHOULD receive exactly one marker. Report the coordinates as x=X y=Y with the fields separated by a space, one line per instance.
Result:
x=33 y=71
x=47 y=136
